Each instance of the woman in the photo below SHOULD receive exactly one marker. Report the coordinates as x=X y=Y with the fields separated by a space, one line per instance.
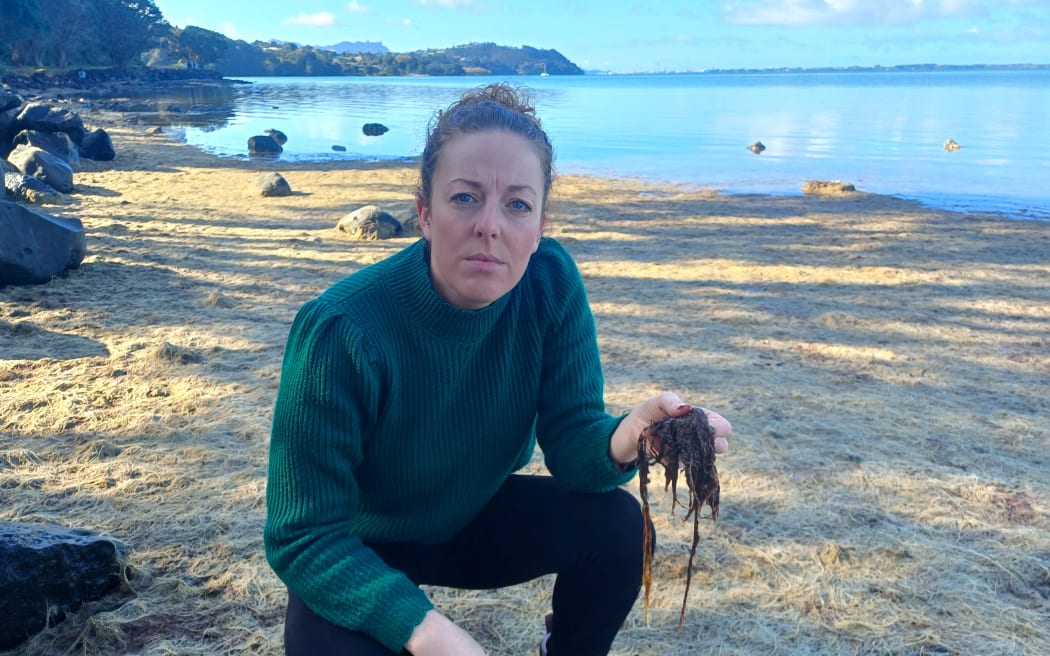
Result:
x=411 y=392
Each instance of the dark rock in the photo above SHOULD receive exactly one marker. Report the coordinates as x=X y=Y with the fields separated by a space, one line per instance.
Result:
x=27 y=189
x=9 y=100
x=339 y=149
x=263 y=144
x=273 y=184
x=57 y=143
x=47 y=571
x=41 y=164
x=277 y=136
x=35 y=247
x=46 y=118
x=757 y=147
x=7 y=131
x=98 y=146
x=374 y=129
x=370 y=223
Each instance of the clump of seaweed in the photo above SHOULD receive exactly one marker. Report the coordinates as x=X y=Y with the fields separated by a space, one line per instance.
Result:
x=678 y=443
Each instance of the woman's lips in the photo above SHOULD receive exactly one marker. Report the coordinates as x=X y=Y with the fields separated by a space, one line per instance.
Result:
x=484 y=262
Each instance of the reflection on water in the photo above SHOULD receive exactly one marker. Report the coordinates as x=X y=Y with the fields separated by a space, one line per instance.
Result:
x=881 y=131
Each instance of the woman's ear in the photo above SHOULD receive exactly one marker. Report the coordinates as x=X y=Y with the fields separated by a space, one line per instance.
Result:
x=424 y=217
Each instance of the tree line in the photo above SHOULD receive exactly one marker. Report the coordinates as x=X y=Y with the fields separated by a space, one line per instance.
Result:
x=67 y=34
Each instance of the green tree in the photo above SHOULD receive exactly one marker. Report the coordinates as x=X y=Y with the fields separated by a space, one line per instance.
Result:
x=198 y=45
x=68 y=23
x=128 y=27
x=20 y=25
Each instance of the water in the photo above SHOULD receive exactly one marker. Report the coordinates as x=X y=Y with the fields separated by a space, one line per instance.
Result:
x=881 y=131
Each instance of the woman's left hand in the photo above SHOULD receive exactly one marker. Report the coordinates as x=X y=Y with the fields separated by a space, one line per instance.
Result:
x=624 y=443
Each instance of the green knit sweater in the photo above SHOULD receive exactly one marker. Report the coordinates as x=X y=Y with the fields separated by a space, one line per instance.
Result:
x=399 y=416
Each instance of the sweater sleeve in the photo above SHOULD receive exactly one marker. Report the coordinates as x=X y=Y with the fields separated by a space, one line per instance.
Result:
x=573 y=428
x=328 y=396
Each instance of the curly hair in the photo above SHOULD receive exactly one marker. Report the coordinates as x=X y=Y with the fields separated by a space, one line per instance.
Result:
x=493 y=107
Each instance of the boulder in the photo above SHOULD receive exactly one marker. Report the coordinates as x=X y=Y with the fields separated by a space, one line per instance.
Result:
x=35 y=247
x=277 y=136
x=273 y=184
x=757 y=147
x=57 y=143
x=370 y=223
x=41 y=164
x=27 y=189
x=411 y=225
x=46 y=118
x=951 y=145
x=7 y=131
x=98 y=146
x=374 y=129
x=47 y=571
x=263 y=144
x=9 y=100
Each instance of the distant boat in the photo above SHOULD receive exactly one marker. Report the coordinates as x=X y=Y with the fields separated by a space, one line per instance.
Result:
x=545 y=73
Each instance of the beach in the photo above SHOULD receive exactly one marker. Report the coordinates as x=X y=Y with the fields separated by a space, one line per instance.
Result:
x=886 y=368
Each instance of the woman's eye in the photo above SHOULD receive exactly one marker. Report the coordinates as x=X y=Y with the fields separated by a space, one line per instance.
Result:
x=462 y=198
x=520 y=206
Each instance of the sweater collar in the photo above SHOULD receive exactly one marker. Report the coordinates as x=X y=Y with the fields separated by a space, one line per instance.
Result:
x=413 y=290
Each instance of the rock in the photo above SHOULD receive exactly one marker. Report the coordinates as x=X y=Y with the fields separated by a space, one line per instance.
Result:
x=277 y=136
x=7 y=131
x=98 y=146
x=370 y=223
x=411 y=225
x=263 y=144
x=46 y=118
x=10 y=100
x=757 y=147
x=827 y=188
x=47 y=571
x=27 y=189
x=374 y=129
x=57 y=143
x=339 y=149
x=951 y=145
x=41 y=164
x=273 y=184
x=35 y=247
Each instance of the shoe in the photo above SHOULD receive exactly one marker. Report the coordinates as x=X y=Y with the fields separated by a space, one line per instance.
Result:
x=548 y=621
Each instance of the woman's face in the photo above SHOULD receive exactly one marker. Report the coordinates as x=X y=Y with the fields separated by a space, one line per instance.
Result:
x=484 y=216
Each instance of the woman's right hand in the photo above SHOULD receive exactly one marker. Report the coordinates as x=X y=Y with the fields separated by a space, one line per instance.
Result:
x=437 y=635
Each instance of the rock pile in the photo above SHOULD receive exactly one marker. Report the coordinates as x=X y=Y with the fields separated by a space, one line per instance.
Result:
x=41 y=145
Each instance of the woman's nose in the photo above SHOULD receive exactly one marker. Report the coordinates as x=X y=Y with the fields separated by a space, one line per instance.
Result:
x=488 y=221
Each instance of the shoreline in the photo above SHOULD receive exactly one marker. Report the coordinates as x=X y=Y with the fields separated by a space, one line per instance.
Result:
x=883 y=365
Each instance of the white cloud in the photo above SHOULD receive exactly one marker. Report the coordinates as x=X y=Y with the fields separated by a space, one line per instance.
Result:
x=320 y=19
x=356 y=7
x=848 y=12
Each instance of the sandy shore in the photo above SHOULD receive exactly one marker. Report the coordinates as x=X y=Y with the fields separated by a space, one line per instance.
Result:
x=886 y=369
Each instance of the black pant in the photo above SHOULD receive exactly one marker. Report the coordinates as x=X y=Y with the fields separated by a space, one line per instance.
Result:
x=532 y=527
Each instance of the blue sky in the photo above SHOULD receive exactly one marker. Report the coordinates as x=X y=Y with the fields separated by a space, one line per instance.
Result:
x=652 y=35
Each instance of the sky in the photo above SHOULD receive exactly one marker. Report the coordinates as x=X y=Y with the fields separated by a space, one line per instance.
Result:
x=672 y=35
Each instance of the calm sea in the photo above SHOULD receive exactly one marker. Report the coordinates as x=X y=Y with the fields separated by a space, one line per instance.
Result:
x=881 y=131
